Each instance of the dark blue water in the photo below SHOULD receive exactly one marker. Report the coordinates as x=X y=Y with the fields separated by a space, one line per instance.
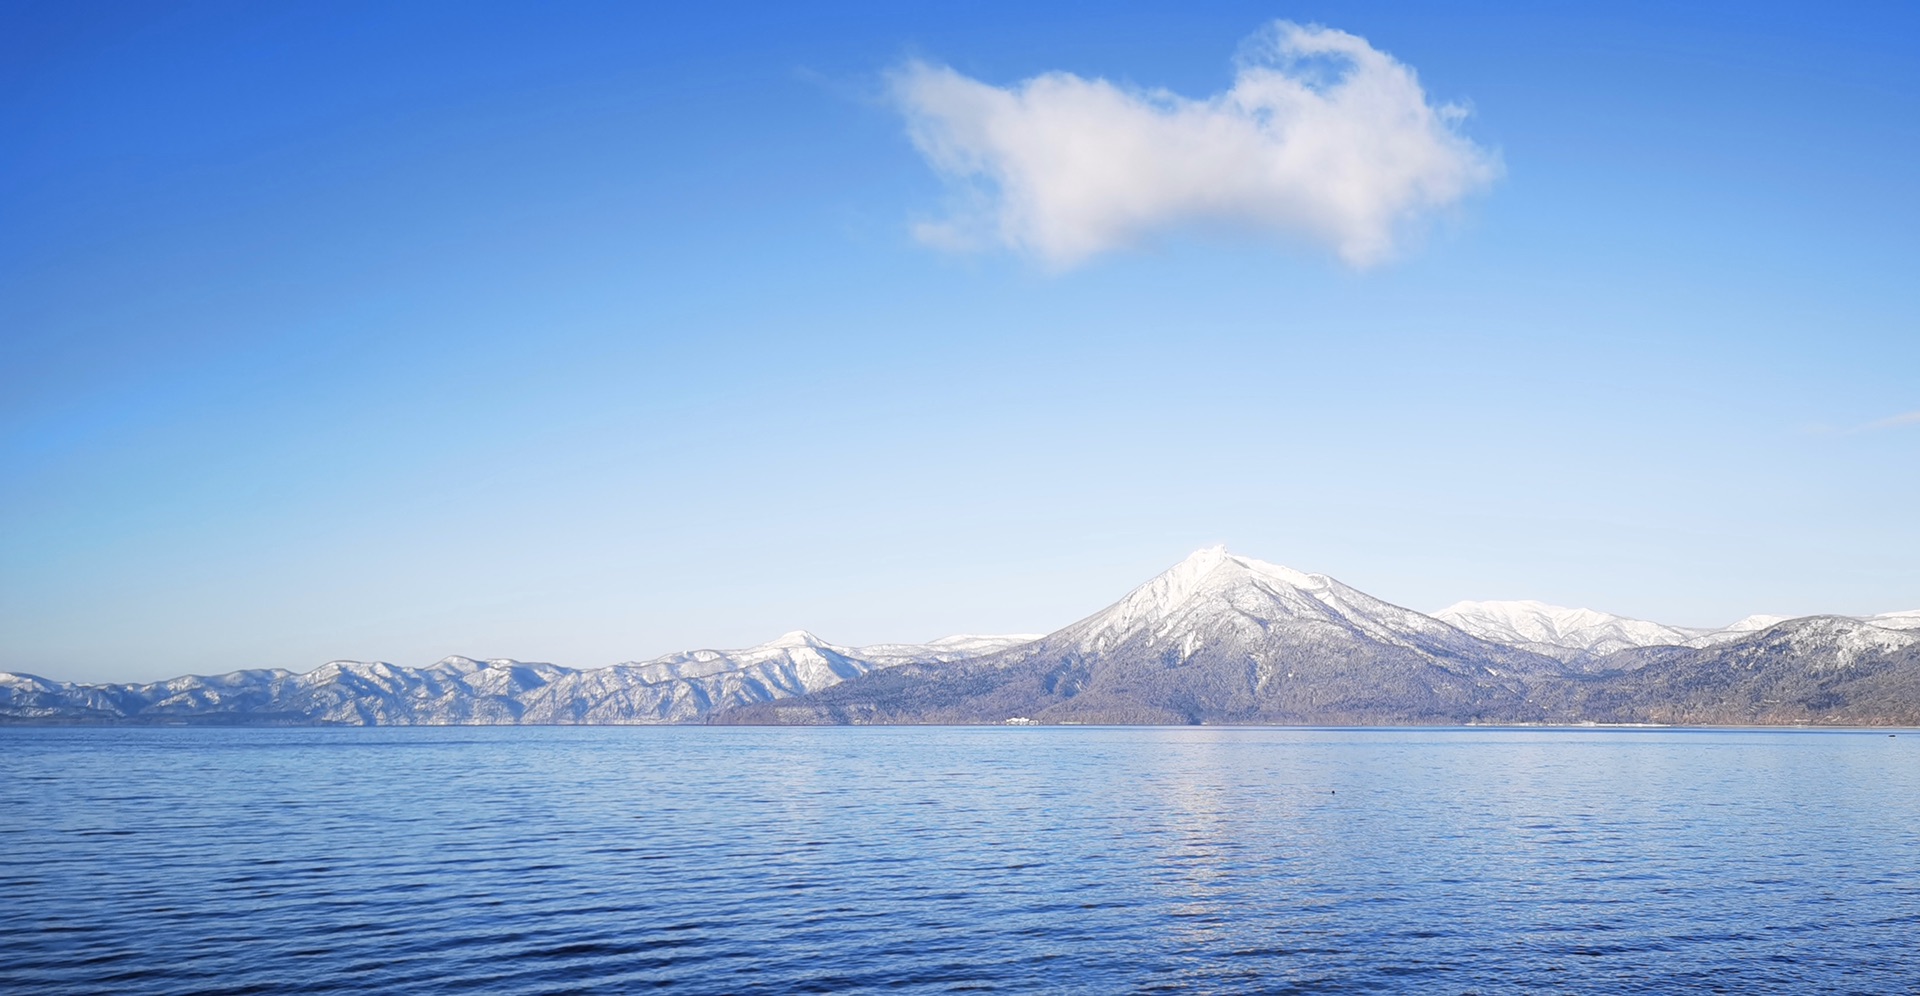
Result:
x=951 y=859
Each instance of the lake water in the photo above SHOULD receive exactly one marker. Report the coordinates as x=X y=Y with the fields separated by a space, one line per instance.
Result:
x=1088 y=860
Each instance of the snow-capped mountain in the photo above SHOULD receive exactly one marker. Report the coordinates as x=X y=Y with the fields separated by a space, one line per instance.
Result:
x=1909 y=619
x=1216 y=638
x=1740 y=628
x=676 y=688
x=1214 y=594
x=1814 y=669
x=1584 y=635
x=1567 y=634
x=687 y=686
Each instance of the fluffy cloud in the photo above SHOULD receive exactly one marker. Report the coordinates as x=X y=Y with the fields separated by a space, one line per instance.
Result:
x=1321 y=137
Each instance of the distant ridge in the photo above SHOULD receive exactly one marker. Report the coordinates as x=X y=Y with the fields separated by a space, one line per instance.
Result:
x=1217 y=638
x=1561 y=633
x=677 y=688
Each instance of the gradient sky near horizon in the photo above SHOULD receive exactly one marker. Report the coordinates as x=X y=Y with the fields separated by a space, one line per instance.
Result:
x=587 y=332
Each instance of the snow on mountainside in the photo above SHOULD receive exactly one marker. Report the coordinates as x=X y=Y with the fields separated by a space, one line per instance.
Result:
x=1909 y=619
x=1905 y=620
x=1577 y=635
x=687 y=686
x=1744 y=627
x=947 y=648
x=1563 y=633
x=1215 y=638
x=676 y=688
x=1813 y=669
x=1213 y=593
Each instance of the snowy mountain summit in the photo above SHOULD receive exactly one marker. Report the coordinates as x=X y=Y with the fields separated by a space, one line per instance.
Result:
x=1559 y=632
x=1214 y=595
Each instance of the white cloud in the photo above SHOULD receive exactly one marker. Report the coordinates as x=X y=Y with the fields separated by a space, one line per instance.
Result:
x=1895 y=422
x=1321 y=137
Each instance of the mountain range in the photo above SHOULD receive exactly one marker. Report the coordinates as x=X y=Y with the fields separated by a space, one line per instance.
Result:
x=1217 y=638
x=678 y=688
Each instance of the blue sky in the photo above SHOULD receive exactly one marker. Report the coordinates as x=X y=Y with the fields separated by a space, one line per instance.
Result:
x=587 y=332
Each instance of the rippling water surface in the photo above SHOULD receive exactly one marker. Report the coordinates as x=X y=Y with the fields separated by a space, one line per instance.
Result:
x=1095 y=860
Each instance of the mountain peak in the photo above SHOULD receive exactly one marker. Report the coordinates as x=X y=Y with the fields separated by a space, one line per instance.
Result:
x=793 y=641
x=1906 y=619
x=1558 y=631
x=1184 y=577
x=1204 y=559
x=1177 y=583
x=1529 y=614
x=1754 y=623
x=1213 y=587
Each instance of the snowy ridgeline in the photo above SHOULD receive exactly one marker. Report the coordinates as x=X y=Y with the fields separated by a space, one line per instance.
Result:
x=1216 y=638
x=1583 y=634
x=678 y=688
